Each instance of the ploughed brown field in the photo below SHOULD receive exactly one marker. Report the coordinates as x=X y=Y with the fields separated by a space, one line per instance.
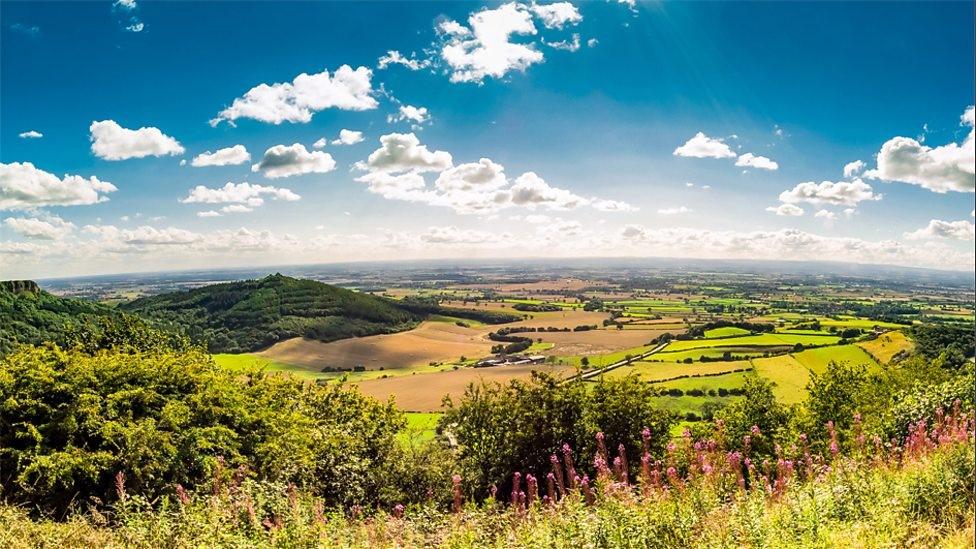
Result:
x=429 y=342
x=424 y=392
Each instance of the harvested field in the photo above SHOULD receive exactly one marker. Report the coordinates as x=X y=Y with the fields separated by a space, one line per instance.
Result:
x=887 y=345
x=429 y=342
x=593 y=342
x=424 y=392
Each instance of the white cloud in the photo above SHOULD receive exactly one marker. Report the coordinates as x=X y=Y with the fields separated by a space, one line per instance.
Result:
x=532 y=191
x=843 y=193
x=230 y=156
x=417 y=115
x=22 y=186
x=208 y=213
x=347 y=89
x=828 y=216
x=674 y=211
x=394 y=57
x=951 y=167
x=403 y=152
x=348 y=137
x=786 y=210
x=320 y=143
x=286 y=161
x=702 y=146
x=395 y=172
x=453 y=236
x=568 y=45
x=236 y=208
x=49 y=228
x=854 y=168
x=32 y=134
x=125 y=4
x=137 y=26
x=238 y=193
x=485 y=49
x=111 y=141
x=753 y=161
x=937 y=228
x=592 y=43
x=612 y=206
x=557 y=15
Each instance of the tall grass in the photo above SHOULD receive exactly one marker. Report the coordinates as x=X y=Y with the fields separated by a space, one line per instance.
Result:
x=915 y=493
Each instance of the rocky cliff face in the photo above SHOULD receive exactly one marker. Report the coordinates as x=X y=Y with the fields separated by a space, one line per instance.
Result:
x=19 y=286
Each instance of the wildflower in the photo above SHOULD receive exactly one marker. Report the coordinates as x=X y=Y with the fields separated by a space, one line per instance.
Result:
x=570 y=468
x=533 y=493
x=558 y=470
x=587 y=492
x=755 y=431
x=516 y=484
x=398 y=510
x=120 y=485
x=551 y=486
x=456 y=481
x=182 y=495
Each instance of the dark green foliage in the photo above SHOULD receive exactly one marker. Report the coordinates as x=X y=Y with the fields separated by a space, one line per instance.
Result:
x=430 y=306
x=835 y=395
x=536 y=307
x=29 y=315
x=517 y=427
x=931 y=340
x=253 y=314
x=699 y=331
x=69 y=421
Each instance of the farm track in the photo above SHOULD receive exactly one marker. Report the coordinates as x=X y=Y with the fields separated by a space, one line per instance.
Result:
x=615 y=365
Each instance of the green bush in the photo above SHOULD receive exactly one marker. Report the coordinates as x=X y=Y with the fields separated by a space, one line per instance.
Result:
x=69 y=421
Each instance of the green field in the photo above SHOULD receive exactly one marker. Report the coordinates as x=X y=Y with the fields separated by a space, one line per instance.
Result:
x=421 y=426
x=607 y=359
x=788 y=376
x=659 y=371
x=724 y=381
x=245 y=361
x=684 y=404
x=712 y=352
x=816 y=360
x=728 y=331
x=760 y=340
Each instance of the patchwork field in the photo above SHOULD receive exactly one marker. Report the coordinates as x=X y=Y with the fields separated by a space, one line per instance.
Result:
x=593 y=342
x=424 y=392
x=429 y=342
x=661 y=371
x=887 y=345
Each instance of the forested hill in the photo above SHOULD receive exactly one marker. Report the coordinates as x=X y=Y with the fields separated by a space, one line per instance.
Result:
x=28 y=314
x=253 y=314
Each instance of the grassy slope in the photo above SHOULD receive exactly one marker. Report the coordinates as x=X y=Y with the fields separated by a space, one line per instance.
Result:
x=253 y=314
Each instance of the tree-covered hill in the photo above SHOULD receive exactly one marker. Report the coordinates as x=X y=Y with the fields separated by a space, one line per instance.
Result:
x=28 y=314
x=253 y=314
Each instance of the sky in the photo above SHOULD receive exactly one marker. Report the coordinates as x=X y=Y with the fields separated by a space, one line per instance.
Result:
x=143 y=136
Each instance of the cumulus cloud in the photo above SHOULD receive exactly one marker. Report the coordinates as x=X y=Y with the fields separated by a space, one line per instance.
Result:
x=22 y=186
x=573 y=44
x=557 y=15
x=841 y=193
x=208 y=213
x=702 y=146
x=297 y=101
x=950 y=167
x=786 y=210
x=348 y=137
x=854 y=168
x=674 y=211
x=49 y=228
x=394 y=57
x=937 y=228
x=286 y=161
x=417 y=115
x=238 y=193
x=402 y=152
x=395 y=171
x=111 y=141
x=752 y=161
x=32 y=134
x=484 y=49
x=230 y=156
x=453 y=236
x=320 y=143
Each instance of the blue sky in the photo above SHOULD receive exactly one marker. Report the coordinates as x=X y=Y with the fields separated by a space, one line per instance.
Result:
x=584 y=113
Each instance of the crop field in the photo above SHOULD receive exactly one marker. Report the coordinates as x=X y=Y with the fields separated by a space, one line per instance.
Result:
x=662 y=371
x=715 y=352
x=816 y=360
x=425 y=392
x=886 y=346
x=760 y=340
x=728 y=331
x=690 y=404
x=593 y=342
x=429 y=342
x=724 y=381
x=788 y=375
x=247 y=360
